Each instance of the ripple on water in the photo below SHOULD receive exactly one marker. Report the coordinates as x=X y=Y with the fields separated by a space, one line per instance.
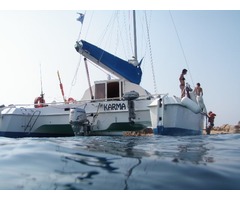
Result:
x=153 y=162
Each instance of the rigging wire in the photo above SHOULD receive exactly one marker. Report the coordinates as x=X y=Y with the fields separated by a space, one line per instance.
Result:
x=79 y=35
x=125 y=48
x=77 y=68
x=150 y=52
x=80 y=57
x=104 y=71
x=41 y=78
x=109 y=25
x=117 y=36
x=107 y=35
x=90 y=22
x=124 y=31
x=129 y=32
x=144 y=43
x=185 y=58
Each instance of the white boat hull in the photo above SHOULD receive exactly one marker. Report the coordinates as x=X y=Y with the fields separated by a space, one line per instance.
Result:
x=106 y=118
x=180 y=121
x=170 y=117
x=166 y=116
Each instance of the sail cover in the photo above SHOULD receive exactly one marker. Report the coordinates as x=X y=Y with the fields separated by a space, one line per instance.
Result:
x=109 y=62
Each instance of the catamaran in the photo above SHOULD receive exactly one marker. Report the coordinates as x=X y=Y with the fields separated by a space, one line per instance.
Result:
x=109 y=107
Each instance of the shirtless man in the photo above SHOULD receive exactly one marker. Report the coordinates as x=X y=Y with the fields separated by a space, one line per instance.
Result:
x=198 y=90
x=182 y=82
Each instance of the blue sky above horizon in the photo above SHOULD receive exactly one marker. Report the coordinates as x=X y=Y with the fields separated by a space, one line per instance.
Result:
x=210 y=40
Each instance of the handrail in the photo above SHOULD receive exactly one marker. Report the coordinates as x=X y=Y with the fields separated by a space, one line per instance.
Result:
x=82 y=101
x=28 y=125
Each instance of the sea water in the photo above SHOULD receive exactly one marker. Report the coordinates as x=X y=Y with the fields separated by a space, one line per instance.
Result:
x=154 y=162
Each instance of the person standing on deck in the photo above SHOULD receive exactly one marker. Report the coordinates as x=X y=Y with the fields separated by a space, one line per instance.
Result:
x=198 y=90
x=182 y=82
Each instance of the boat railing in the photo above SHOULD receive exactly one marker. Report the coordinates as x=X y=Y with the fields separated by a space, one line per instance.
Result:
x=82 y=102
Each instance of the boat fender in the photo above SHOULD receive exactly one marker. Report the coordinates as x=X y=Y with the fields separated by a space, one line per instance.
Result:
x=201 y=103
x=188 y=103
x=193 y=96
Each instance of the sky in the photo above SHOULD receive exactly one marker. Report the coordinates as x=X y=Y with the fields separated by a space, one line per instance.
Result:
x=38 y=41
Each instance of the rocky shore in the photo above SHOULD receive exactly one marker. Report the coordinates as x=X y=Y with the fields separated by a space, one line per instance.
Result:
x=225 y=128
x=145 y=132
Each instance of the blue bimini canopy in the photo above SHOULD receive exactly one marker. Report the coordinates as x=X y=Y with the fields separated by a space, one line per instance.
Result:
x=109 y=62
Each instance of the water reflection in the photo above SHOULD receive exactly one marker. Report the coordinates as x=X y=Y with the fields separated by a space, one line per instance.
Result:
x=121 y=158
x=129 y=173
x=91 y=160
x=153 y=162
x=84 y=169
x=194 y=150
x=121 y=146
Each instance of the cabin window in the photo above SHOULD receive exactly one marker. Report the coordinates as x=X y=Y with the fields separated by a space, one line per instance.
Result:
x=113 y=90
x=100 y=91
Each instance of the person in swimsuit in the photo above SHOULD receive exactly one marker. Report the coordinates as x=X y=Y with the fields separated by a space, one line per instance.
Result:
x=211 y=117
x=182 y=82
x=198 y=90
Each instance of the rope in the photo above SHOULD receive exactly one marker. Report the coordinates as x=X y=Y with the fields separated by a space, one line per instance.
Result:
x=107 y=73
x=75 y=75
x=89 y=25
x=120 y=35
x=125 y=32
x=109 y=25
x=185 y=58
x=129 y=32
x=80 y=57
x=151 y=57
x=79 y=35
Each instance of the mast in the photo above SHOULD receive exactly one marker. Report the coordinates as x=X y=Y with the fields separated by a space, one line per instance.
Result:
x=135 y=35
x=124 y=69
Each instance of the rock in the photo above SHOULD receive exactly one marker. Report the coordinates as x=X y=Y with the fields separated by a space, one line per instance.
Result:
x=226 y=128
x=145 y=132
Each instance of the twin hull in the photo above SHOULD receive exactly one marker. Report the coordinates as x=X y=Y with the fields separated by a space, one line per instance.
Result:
x=108 y=118
x=188 y=122
x=170 y=117
x=105 y=118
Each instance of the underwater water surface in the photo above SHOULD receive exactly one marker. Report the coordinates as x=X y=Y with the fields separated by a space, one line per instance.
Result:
x=206 y=162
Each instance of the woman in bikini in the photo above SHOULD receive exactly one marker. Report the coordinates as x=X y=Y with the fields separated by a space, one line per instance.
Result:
x=182 y=82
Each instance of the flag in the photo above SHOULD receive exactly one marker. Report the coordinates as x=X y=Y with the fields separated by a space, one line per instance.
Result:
x=81 y=17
